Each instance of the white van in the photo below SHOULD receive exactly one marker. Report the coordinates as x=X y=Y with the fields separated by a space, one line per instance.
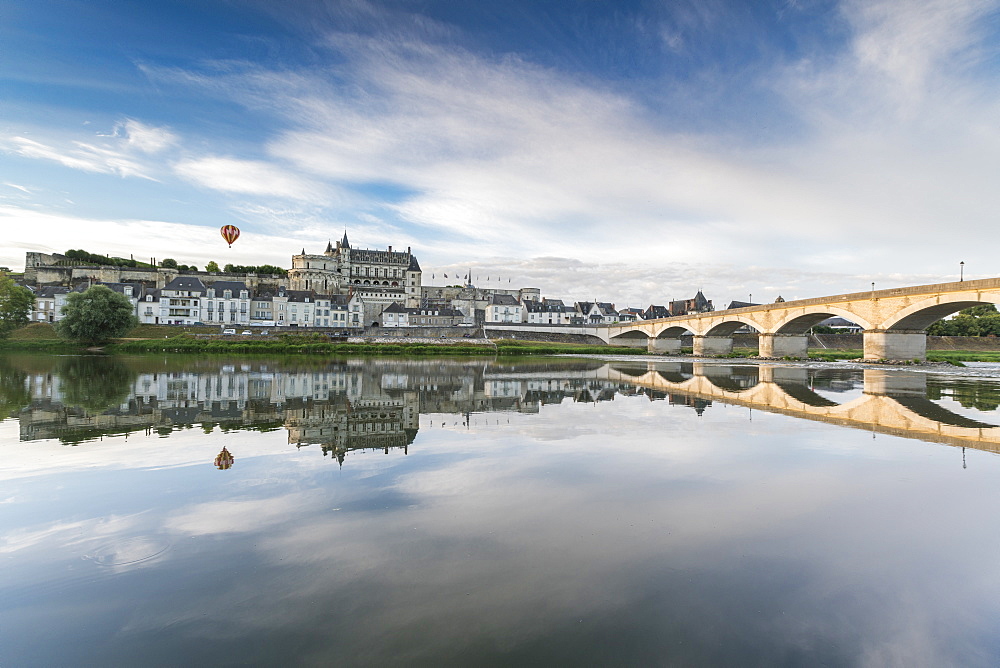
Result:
x=229 y=331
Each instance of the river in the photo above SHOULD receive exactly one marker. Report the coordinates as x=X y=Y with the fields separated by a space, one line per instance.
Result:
x=549 y=511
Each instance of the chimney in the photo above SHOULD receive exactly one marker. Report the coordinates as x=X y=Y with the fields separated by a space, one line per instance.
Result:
x=390 y=249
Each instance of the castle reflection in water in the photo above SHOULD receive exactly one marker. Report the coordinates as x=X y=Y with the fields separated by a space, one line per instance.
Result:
x=376 y=404
x=343 y=406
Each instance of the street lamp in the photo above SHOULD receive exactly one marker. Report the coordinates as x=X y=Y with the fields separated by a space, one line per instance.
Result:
x=961 y=271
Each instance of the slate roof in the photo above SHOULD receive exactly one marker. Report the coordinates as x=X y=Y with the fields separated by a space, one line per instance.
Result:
x=236 y=286
x=543 y=307
x=50 y=291
x=187 y=283
x=395 y=307
x=414 y=265
x=606 y=308
x=656 y=311
x=504 y=300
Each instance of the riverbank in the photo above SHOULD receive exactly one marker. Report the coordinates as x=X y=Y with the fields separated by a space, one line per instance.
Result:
x=317 y=344
x=42 y=338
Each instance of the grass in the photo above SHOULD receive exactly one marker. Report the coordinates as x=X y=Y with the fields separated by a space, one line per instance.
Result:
x=834 y=354
x=280 y=346
x=36 y=331
x=296 y=344
x=41 y=337
x=515 y=347
x=963 y=356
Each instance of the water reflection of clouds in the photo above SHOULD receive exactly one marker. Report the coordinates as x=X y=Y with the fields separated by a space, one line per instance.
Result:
x=522 y=551
x=642 y=534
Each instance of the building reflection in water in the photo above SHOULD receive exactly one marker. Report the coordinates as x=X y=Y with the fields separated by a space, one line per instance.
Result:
x=376 y=404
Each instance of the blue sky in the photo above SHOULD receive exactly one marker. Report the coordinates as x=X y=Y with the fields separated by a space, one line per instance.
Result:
x=627 y=151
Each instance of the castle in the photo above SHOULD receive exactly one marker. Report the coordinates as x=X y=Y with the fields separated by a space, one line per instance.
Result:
x=378 y=277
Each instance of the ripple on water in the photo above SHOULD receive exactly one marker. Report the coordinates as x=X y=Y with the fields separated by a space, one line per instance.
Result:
x=130 y=551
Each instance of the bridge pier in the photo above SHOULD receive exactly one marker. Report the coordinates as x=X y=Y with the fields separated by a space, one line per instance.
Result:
x=783 y=345
x=707 y=346
x=664 y=346
x=630 y=342
x=883 y=345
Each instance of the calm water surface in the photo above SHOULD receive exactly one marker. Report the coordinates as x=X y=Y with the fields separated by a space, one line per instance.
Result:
x=164 y=511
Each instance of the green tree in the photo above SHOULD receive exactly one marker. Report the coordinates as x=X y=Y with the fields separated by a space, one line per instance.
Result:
x=212 y=266
x=980 y=310
x=979 y=320
x=96 y=316
x=15 y=305
x=169 y=263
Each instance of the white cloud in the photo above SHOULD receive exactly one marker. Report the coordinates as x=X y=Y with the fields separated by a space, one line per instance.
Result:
x=26 y=230
x=470 y=158
x=146 y=138
x=110 y=158
x=248 y=177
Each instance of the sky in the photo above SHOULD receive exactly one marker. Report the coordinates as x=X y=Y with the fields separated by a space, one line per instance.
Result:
x=633 y=151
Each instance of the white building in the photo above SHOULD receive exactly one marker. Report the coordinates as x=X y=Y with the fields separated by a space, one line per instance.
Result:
x=179 y=302
x=225 y=303
x=504 y=308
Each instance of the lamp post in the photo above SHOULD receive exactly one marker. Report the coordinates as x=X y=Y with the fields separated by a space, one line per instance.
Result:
x=961 y=271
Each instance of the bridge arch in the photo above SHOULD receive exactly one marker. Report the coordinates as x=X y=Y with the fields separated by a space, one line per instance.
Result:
x=732 y=323
x=634 y=338
x=921 y=315
x=800 y=322
x=672 y=332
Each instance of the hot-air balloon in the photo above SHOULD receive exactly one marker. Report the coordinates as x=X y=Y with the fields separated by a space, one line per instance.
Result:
x=224 y=460
x=230 y=233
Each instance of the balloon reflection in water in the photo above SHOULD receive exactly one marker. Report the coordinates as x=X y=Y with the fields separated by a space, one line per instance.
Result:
x=224 y=460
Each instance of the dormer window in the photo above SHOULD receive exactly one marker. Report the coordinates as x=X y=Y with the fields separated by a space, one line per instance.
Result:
x=211 y=293
x=228 y=294
x=128 y=290
x=244 y=294
x=149 y=298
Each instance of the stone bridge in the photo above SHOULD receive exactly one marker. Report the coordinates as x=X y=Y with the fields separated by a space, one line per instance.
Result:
x=894 y=322
x=892 y=402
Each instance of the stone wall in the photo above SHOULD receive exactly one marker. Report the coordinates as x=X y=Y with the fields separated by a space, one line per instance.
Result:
x=549 y=337
x=424 y=332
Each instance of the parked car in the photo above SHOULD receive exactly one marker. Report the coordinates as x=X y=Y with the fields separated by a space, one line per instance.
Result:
x=246 y=332
x=229 y=331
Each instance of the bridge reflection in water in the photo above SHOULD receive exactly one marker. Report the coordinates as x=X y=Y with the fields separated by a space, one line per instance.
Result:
x=891 y=402
x=377 y=404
